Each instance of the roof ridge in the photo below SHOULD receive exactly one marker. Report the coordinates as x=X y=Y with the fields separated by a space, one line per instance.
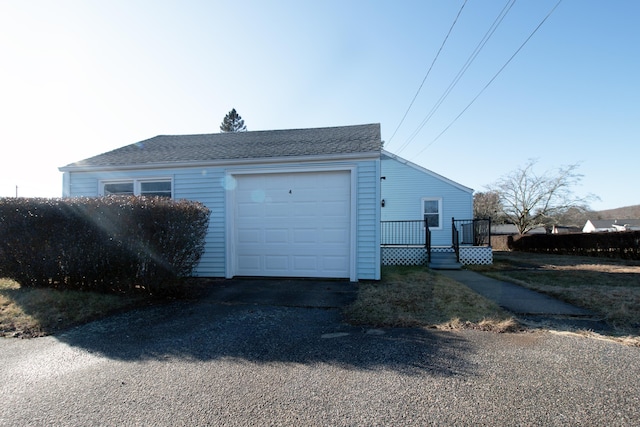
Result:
x=268 y=130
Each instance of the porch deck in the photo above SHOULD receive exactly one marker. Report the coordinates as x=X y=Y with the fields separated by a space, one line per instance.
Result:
x=408 y=243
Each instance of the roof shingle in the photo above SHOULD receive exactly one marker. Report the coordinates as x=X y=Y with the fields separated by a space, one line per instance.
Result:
x=242 y=145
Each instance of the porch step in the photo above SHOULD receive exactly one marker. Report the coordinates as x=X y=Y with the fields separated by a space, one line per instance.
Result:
x=444 y=261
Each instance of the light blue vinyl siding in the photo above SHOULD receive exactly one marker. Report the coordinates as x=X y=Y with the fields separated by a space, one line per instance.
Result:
x=198 y=184
x=368 y=220
x=404 y=188
x=206 y=186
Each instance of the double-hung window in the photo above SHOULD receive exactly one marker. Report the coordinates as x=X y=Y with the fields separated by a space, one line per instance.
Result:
x=138 y=187
x=432 y=212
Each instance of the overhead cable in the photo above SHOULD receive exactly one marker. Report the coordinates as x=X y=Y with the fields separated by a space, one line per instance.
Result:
x=507 y=7
x=428 y=71
x=490 y=81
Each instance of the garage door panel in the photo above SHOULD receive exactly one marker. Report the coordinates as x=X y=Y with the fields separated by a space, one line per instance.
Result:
x=250 y=263
x=307 y=263
x=276 y=236
x=334 y=209
x=299 y=227
x=335 y=263
x=334 y=235
x=276 y=263
x=277 y=209
x=249 y=236
x=304 y=209
x=305 y=235
x=247 y=212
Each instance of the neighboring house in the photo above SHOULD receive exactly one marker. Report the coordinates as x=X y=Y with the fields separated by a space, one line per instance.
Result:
x=610 y=225
x=565 y=229
x=411 y=192
x=286 y=203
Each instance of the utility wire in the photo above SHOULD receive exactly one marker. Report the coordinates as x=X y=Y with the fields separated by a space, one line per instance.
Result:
x=492 y=79
x=428 y=71
x=494 y=26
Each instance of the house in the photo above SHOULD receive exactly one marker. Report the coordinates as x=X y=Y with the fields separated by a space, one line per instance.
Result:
x=606 y=225
x=411 y=194
x=564 y=229
x=286 y=203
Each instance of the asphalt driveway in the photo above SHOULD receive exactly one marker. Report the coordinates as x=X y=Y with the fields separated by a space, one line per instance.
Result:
x=280 y=360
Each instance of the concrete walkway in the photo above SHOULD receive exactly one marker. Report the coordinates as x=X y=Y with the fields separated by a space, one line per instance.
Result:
x=526 y=303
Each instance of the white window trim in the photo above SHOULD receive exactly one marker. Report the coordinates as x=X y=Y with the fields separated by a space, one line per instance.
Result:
x=137 y=184
x=432 y=199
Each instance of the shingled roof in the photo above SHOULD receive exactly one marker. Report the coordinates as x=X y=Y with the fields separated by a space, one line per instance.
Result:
x=167 y=149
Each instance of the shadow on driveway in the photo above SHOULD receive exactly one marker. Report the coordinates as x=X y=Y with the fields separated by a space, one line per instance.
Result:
x=270 y=321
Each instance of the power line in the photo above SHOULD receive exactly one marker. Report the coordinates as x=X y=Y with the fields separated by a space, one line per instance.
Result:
x=494 y=26
x=428 y=71
x=492 y=79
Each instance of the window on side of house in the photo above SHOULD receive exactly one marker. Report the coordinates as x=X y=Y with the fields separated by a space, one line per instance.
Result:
x=110 y=188
x=155 y=188
x=147 y=187
x=432 y=212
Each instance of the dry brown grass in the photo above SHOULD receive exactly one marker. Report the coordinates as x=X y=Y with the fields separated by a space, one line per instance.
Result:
x=414 y=296
x=609 y=287
x=32 y=312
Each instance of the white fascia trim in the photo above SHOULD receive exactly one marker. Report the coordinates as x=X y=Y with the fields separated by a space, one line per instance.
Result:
x=427 y=171
x=227 y=162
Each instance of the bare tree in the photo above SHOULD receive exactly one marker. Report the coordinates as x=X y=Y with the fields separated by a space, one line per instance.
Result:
x=574 y=217
x=530 y=200
x=487 y=206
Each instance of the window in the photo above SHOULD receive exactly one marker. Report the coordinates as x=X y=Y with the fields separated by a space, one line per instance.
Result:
x=155 y=188
x=431 y=210
x=147 y=187
x=118 y=188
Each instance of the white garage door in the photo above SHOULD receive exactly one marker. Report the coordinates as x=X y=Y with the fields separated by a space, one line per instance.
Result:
x=293 y=224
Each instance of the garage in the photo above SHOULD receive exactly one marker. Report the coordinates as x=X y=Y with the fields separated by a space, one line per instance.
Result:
x=282 y=203
x=293 y=224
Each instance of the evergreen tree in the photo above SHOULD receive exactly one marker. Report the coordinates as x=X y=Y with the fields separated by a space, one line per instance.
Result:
x=232 y=122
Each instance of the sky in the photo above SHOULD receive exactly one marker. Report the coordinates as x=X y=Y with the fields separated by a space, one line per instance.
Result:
x=82 y=77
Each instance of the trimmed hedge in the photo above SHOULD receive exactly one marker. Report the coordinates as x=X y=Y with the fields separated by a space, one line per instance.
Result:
x=624 y=244
x=108 y=244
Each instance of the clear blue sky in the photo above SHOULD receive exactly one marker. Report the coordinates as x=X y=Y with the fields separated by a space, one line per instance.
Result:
x=78 y=78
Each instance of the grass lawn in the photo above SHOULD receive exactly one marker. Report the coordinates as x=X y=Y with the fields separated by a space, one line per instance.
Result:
x=405 y=297
x=415 y=296
x=33 y=312
x=609 y=287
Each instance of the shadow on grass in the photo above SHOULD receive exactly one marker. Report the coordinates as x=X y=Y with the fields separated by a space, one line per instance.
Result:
x=284 y=328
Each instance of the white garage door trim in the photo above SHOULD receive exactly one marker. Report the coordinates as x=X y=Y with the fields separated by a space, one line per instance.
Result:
x=230 y=203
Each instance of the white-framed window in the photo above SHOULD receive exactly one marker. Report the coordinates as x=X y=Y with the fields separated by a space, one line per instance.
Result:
x=432 y=212
x=162 y=187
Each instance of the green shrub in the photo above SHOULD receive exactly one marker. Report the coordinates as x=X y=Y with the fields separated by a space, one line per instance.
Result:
x=109 y=244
